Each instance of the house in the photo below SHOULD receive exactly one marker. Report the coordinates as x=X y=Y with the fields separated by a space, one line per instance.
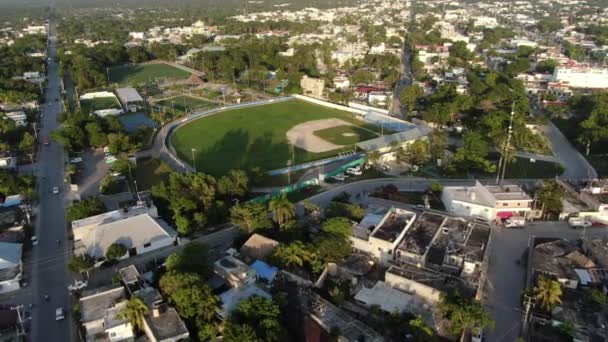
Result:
x=324 y=318
x=264 y=271
x=559 y=258
x=18 y=117
x=258 y=247
x=32 y=75
x=130 y=99
x=98 y=314
x=582 y=77
x=490 y=202
x=597 y=250
x=7 y=161
x=11 y=266
x=341 y=82
x=234 y=271
x=378 y=234
x=137 y=228
x=384 y=297
x=312 y=86
x=161 y=323
x=362 y=92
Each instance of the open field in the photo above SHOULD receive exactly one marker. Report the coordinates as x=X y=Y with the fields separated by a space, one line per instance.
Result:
x=99 y=103
x=185 y=104
x=149 y=172
x=253 y=136
x=138 y=73
x=345 y=135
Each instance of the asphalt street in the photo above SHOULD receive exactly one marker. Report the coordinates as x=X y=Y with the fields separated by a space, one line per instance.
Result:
x=49 y=272
x=576 y=165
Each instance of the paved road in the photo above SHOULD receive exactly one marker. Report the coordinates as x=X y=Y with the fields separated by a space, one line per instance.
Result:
x=406 y=68
x=576 y=165
x=505 y=280
x=49 y=274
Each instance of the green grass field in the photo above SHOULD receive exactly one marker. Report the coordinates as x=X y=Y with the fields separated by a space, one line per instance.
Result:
x=89 y=106
x=185 y=104
x=254 y=136
x=345 y=135
x=139 y=73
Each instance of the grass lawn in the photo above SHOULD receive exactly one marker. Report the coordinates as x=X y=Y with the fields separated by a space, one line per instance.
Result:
x=184 y=104
x=99 y=103
x=139 y=73
x=149 y=172
x=345 y=135
x=253 y=136
x=523 y=168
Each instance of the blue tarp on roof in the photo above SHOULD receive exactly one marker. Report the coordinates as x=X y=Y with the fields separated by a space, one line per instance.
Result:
x=264 y=270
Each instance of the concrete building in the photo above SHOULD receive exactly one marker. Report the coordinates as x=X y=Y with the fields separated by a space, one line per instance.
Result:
x=11 y=266
x=130 y=99
x=19 y=118
x=341 y=82
x=257 y=247
x=582 y=77
x=490 y=202
x=312 y=86
x=161 y=323
x=234 y=272
x=137 y=228
x=378 y=234
x=98 y=314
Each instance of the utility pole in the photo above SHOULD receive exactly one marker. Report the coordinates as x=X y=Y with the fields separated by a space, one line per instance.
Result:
x=528 y=304
x=504 y=157
x=19 y=318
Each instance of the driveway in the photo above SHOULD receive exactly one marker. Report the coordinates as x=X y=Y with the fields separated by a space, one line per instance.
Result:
x=576 y=165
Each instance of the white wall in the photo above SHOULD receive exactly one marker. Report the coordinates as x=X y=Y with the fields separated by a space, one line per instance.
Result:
x=120 y=332
x=595 y=78
x=168 y=241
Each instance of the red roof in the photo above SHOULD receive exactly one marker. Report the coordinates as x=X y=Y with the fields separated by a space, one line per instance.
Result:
x=367 y=89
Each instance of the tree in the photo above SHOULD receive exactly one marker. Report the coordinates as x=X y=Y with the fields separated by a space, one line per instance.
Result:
x=85 y=208
x=118 y=142
x=262 y=315
x=250 y=216
x=438 y=142
x=235 y=184
x=80 y=263
x=338 y=226
x=27 y=143
x=134 y=312
x=138 y=54
x=193 y=258
x=421 y=331
x=96 y=135
x=463 y=313
x=348 y=210
x=551 y=195
x=548 y=293
x=115 y=251
x=282 y=209
x=546 y=66
x=362 y=76
x=473 y=153
x=190 y=295
x=123 y=166
x=239 y=333
x=410 y=95
x=331 y=248
x=416 y=153
x=294 y=254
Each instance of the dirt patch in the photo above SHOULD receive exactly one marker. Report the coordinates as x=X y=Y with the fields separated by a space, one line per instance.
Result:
x=302 y=135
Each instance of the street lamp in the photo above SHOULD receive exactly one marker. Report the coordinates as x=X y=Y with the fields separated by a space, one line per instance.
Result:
x=289 y=163
x=193 y=160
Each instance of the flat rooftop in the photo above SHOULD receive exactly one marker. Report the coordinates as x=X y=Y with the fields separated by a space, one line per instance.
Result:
x=93 y=304
x=393 y=225
x=453 y=231
x=418 y=238
x=508 y=192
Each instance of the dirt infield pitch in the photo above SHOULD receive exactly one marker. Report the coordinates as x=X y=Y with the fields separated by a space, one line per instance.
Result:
x=302 y=135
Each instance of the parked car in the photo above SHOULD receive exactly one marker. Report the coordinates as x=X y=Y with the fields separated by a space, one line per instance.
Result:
x=78 y=285
x=34 y=240
x=355 y=171
x=515 y=222
x=59 y=314
x=45 y=141
x=579 y=223
x=477 y=336
x=339 y=177
x=55 y=190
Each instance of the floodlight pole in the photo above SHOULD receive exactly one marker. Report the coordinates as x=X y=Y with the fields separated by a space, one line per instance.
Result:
x=193 y=160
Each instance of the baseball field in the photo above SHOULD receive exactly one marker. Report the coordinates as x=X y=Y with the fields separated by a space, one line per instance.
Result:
x=267 y=136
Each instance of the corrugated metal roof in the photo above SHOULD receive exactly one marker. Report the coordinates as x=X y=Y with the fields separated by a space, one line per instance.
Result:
x=399 y=138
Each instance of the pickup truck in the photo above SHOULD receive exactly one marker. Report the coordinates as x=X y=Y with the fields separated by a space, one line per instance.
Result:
x=515 y=222
x=578 y=222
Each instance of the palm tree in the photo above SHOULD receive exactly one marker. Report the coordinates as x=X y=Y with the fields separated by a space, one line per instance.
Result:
x=134 y=312
x=282 y=210
x=548 y=293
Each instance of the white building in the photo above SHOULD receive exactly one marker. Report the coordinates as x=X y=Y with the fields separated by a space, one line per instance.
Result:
x=19 y=118
x=582 y=77
x=99 y=315
x=137 y=228
x=341 y=82
x=234 y=271
x=378 y=234
x=10 y=266
x=489 y=22
x=489 y=202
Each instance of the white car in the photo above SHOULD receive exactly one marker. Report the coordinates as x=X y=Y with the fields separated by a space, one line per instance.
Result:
x=34 y=240
x=339 y=177
x=59 y=314
x=355 y=171
x=55 y=190
x=477 y=336
x=78 y=285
